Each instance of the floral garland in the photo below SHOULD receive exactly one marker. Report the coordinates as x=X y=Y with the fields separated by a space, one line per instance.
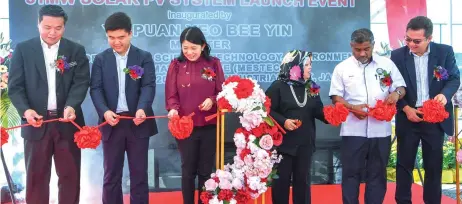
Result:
x=252 y=171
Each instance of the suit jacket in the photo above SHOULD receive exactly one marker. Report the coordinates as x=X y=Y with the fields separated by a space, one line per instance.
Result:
x=139 y=93
x=440 y=55
x=284 y=106
x=28 y=86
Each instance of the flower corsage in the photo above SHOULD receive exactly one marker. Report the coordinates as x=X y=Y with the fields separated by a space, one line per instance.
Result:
x=135 y=71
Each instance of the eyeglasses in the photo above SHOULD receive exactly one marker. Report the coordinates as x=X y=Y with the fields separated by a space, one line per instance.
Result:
x=415 y=41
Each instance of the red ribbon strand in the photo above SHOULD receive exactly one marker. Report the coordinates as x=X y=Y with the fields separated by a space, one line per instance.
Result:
x=87 y=136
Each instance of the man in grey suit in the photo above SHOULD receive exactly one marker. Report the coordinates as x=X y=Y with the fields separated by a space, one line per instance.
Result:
x=49 y=78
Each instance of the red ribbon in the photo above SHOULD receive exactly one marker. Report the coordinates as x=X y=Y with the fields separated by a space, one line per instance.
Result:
x=210 y=117
x=86 y=137
x=39 y=121
x=277 y=124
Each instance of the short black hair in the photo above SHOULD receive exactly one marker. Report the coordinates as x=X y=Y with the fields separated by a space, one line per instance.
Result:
x=421 y=22
x=117 y=21
x=52 y=10
x=194 y=35
x=362 y=35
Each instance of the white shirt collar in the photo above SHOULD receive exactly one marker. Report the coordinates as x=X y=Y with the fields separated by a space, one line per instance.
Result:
x=44 y=44
x=361 y=64
x=426 y=53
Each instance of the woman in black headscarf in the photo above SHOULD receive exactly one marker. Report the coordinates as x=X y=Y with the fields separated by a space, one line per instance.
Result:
x=295 y=104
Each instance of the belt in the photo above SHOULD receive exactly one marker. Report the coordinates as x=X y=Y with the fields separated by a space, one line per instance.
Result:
x=52 y=113
x=124 y=113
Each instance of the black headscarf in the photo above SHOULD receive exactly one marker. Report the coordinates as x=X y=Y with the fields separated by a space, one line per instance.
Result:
x=292 y=67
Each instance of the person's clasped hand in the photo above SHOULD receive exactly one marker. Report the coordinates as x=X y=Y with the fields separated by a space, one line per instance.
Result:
x=33 y=118
x=358 y=111
x=69 y=114
x=111 y=118
x=140 y=117
x=290 y=124
x=206 y=105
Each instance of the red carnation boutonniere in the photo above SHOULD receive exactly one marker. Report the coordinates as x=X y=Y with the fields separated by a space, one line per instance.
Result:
x=386 y=81
x=312 y=88
x=208 y=74
x=61 y=64
x=385 y=78
x=135 y=71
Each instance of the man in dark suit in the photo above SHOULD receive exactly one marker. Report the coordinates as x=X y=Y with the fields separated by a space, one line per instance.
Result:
x=40 y=90
x=417 y=62
x=117 y=93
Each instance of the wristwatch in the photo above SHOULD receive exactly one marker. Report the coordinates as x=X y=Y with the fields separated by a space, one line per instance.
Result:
x=398 y=92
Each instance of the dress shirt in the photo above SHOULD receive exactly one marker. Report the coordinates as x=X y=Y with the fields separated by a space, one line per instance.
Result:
x=421 y=73
x=50 y=54
x=121 y=65
x=185 y=89
x=360 y=84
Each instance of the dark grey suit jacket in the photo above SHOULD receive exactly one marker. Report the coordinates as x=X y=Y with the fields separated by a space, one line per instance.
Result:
x=28 y=86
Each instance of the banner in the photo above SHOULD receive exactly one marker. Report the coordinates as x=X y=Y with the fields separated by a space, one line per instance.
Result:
x=249 y=36
x=398 y=15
